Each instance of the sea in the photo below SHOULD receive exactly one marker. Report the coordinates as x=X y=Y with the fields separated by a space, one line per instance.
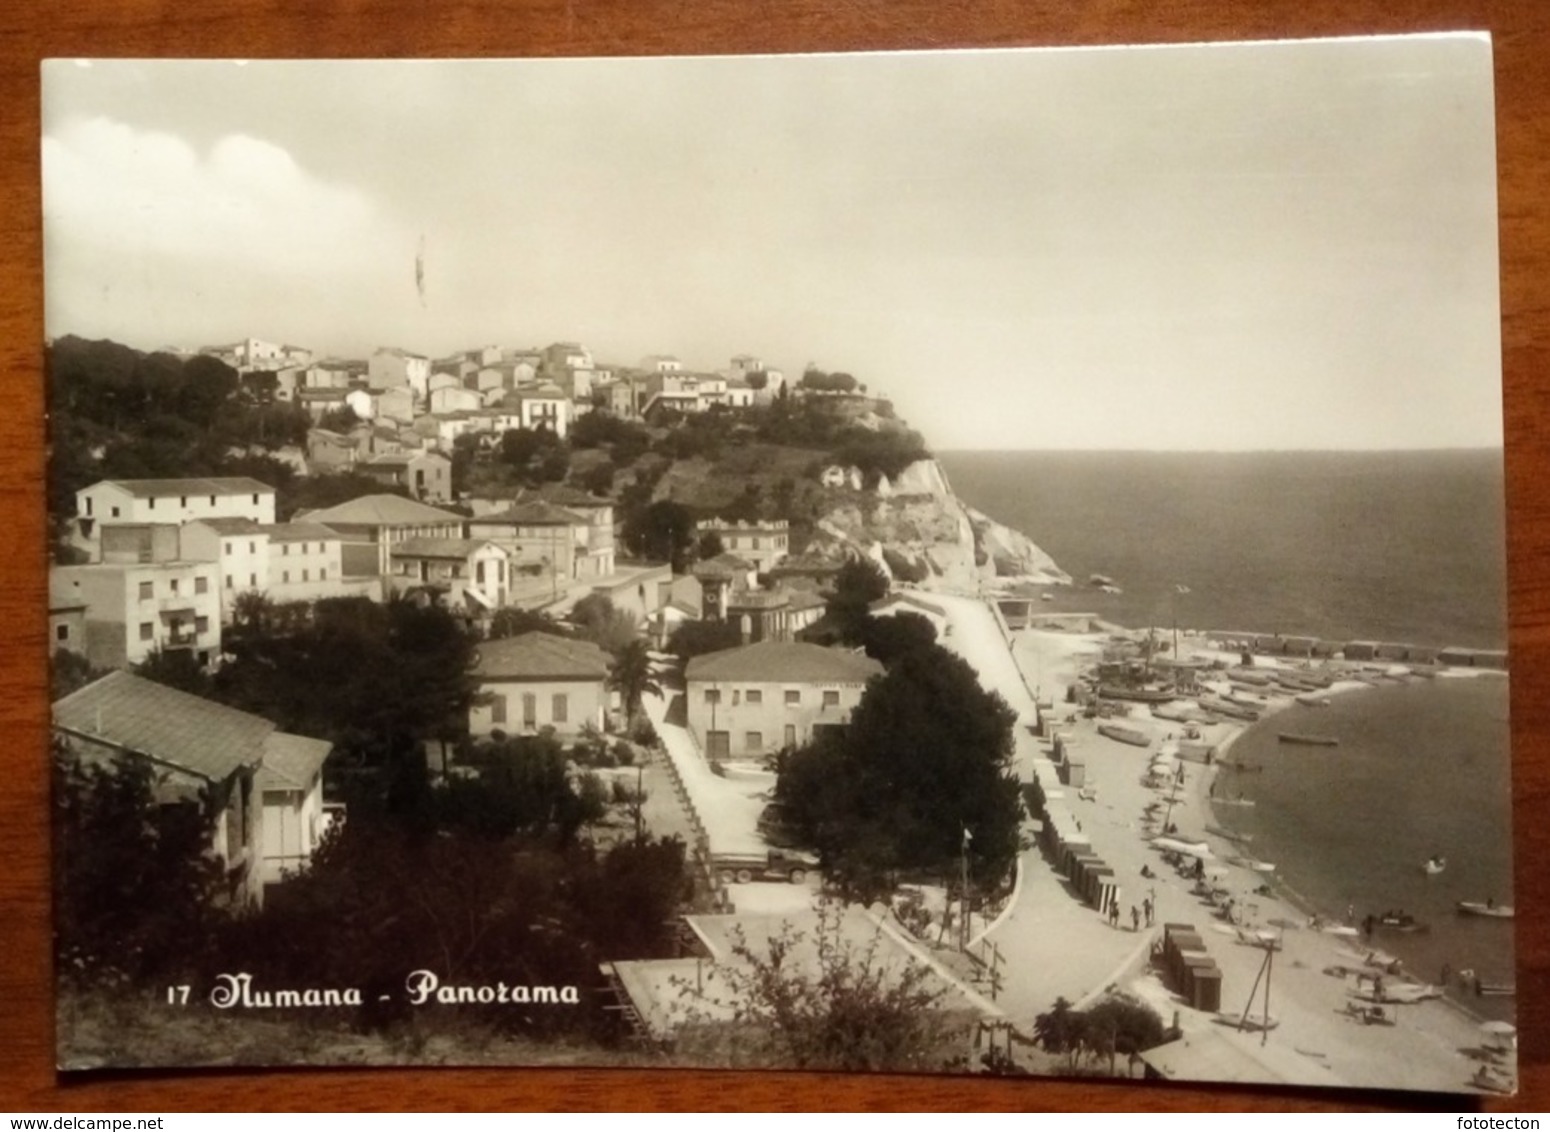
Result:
x=1387 y=546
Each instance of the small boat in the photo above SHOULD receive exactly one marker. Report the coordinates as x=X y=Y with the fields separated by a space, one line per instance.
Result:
x=1434 y=865
x=1312 y=699
x=1496 y=990
x=1308 y=740
x=1485 y=908
x=1124 y=734
x=1401 y=922
x=1139 y=695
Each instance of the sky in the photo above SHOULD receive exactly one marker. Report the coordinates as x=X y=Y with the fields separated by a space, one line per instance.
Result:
x=1236 y=247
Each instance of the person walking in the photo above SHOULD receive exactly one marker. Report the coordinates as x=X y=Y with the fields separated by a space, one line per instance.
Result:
x=1146 y=906
x=1135 y=918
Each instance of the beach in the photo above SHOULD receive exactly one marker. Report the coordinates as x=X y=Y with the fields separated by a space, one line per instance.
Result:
x=1314 y=994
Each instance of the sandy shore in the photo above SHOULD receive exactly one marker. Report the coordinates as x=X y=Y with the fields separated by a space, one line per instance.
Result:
x=1314 y=972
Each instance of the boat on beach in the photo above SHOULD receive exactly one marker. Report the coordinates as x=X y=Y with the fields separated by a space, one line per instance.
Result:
x=1137 y=695
x=1312 y=699
x=1121 y=734
x=1485 y=908
x=1400 y=922
x=1434 y=865
x=1307 y=740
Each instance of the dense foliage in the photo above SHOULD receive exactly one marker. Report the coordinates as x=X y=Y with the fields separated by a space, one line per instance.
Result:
x=925 y=760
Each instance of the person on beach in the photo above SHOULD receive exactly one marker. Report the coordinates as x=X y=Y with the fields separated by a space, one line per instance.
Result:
x=1135 y=918
x=1114 y=914
x=1146 y=906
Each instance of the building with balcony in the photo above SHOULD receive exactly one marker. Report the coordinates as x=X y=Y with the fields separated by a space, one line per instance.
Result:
x=135 y=609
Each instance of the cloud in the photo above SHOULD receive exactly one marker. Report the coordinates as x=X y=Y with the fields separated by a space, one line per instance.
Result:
x=139 y=221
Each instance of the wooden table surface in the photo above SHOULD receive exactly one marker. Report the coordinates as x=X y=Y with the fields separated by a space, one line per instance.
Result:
x=394 y=28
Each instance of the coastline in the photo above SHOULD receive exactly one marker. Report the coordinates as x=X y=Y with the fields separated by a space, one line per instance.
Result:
x=1437 y=1043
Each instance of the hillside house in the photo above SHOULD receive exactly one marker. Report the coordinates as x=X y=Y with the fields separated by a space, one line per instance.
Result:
x=263 y=787
x=469 y=575
x=425 y=474
x=537 y=680
x=372 y=524
x=758 y=698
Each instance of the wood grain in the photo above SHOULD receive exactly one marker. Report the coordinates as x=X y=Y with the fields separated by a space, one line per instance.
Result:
x=392 y=28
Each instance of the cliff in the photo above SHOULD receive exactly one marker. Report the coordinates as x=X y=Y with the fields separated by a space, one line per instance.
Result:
x=919 y=531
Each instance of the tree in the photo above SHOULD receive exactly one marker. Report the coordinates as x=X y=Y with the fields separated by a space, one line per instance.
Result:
x=509 y=621
x=696 y=638
x=858 y=584
x=710 y=546
x=925 y=758
x=175 y=668
x=887 y=639
x=1120 y=1025
x=634 y=676
x=597 y=620
x=662 y=532
x=1060 y=1030
x=136 y=894
x=818 y=1000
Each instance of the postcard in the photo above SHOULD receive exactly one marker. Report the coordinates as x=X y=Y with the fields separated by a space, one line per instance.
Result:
x=980 y=562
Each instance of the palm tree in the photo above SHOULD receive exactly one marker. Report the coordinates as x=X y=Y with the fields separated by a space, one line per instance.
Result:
x=633 y=676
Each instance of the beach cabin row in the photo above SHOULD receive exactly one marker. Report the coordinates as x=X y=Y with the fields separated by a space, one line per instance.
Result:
x=1189 y=970
x=1072 y=770
x=1072 y=855
x=1393 y=652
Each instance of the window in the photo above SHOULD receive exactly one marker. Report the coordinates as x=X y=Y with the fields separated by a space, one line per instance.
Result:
x=173 y=585
x=255 y=500
x=306 y=575
x=793 y=697
x=712 y=695
x=253 y=581
x=115 y=512
x=228 y=548
x=498 y=710
x=201 y=585
x=831 y=699
x=146 y=630
x=286 y=576
x=229 y=584
x=285 y=549
x=755 y=696
x=146 y=591
x=182 y=501
x=252 y=548
x=212 y=501
x=88 y=505
x=61 y=632
x=201 y=625
x=529 y=709
x=561 y=708
x=791 y=735
x=323 y=574
x=753 y=741
x=150 y=505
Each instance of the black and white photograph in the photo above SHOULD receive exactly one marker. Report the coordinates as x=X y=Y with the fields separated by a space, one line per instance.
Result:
x=978 y=562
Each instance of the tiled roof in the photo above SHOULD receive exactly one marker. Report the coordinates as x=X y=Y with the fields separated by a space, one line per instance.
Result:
x=301 y=532
x=724 y=564
x=564 y=495
x=168 y=726
x=381 y=510
x=230 y=526
x=783 y=662
x=458 y=548
x=291 y=762
x=541 y=656
x=537 y=513
x=217 y=485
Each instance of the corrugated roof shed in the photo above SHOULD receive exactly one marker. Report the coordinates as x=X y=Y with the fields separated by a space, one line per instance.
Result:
x=174 y=728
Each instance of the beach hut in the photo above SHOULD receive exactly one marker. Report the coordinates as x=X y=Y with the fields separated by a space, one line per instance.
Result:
x=1360 y=650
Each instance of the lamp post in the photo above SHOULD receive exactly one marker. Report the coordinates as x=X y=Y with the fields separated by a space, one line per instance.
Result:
x=963 y=926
